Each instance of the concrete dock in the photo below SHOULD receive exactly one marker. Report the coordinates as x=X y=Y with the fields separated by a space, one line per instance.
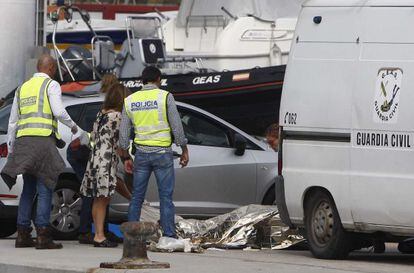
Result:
x=75 y=258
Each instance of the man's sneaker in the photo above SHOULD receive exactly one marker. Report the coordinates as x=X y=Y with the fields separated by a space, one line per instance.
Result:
x=113 y=238
x=86 y=238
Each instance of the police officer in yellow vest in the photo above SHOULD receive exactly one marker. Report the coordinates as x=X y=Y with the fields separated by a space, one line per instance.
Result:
x=156 y=122
x=32 y=140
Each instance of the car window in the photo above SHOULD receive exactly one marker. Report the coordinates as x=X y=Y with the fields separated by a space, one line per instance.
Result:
x=75 y=111
x=200 y=130
x=252 y=146
x=89 y=116
x=4 y=118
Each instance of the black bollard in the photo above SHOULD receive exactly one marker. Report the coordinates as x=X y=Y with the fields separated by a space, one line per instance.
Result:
x=134 y=255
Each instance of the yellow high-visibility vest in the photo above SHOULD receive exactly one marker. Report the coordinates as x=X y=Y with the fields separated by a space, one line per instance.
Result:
x=35 y=115
x=147 y=110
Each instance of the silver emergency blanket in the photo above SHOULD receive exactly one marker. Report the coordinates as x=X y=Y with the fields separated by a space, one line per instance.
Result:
x=253 y=226
x=249 y=226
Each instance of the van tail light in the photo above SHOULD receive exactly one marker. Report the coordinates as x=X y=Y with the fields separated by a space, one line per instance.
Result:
x=280 y=151
x=3 y=150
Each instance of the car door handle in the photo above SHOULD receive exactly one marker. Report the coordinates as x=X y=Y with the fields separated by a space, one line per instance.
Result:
x=175 y=154
x=264 y=168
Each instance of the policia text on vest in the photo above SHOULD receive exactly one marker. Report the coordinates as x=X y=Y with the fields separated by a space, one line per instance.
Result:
x=148 y=112
x=35 y=113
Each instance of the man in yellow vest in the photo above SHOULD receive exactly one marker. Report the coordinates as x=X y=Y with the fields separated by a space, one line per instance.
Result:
x=153 y=115
x=32 y=140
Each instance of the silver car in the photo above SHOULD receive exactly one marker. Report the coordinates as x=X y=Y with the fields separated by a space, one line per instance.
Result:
x=228 y=169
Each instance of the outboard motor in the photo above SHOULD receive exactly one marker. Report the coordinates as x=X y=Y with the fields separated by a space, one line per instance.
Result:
x=79 y=62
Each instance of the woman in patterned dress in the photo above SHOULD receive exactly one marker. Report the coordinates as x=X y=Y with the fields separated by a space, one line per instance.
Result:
x=100 y=178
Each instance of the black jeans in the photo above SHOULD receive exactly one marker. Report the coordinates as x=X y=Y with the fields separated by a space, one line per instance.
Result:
x=78 y=159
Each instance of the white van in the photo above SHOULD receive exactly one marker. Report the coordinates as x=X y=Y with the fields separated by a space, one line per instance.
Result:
x=346 y=166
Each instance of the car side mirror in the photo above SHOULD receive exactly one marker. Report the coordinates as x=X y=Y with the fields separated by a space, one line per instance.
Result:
x=240 y=144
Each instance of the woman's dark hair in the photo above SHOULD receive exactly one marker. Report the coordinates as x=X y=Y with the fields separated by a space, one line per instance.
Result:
x=150 y=74
x=108 y=80
x=114 y=97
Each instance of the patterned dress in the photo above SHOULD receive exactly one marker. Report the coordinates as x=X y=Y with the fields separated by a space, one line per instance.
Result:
x=100 y=174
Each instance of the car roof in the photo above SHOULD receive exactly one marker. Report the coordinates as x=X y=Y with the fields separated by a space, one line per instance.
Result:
x=77 y=98
x=359 y=3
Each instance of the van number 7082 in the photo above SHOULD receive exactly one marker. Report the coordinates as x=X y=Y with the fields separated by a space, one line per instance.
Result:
x=290 y=118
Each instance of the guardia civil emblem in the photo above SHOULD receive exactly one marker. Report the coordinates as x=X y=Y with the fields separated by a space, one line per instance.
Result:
x=387 y=95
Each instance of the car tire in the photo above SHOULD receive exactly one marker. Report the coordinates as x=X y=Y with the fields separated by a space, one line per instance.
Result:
x=326 y=237
x=270 y=197
x=7 y=227
x=66 y=207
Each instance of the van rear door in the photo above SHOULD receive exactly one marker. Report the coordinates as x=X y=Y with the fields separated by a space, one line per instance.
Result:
x=382 y=156
x=316 y=106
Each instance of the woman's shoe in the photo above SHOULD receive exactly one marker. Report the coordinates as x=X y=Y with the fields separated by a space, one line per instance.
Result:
x=105 y=243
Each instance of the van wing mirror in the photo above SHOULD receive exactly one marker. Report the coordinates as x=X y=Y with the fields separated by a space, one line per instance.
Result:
x=240 y=144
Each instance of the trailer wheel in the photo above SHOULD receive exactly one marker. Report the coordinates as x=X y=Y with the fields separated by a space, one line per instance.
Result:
x=326 y=237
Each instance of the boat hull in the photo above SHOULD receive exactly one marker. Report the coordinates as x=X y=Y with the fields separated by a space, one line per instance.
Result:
x=249 y=99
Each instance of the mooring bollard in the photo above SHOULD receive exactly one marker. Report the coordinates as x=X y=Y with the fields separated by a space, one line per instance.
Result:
x=135 y=249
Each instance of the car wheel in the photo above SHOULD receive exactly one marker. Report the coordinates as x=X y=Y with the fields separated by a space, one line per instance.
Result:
x=270 y=197
x=66 y=207
x=326 y=237
x=7 y=227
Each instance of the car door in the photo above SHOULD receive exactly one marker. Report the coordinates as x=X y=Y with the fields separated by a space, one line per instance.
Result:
x=85 y=118
x=216 y=180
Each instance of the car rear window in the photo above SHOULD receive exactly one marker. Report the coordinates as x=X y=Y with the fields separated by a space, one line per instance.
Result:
x=89 y=116
x=84 y=114
x=4 y=118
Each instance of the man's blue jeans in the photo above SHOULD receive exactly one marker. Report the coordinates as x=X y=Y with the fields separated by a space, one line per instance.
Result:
x=31 y=186
x=163 y=166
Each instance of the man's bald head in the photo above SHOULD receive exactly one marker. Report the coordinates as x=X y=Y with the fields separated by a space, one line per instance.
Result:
x=46 y=64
